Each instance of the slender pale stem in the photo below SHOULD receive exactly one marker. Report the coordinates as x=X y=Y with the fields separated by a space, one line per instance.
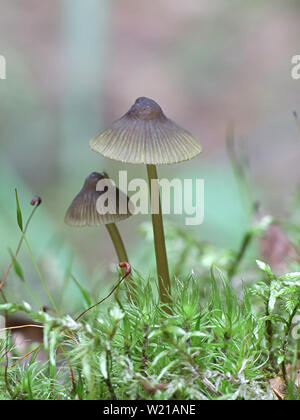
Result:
x=117 y=241
x=120 y=250
x=159 y=236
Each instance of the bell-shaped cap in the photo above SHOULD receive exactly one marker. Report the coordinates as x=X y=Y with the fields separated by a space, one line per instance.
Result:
x=145 y=135
x=98 y=203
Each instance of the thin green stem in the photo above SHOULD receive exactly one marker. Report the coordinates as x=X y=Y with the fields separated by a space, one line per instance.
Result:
x=159 y=237
x=240 y=255
x=240 y=170
x=32 y=295
x=121 y=253
x=18 y=248
x=14 y=258
x=40 y=274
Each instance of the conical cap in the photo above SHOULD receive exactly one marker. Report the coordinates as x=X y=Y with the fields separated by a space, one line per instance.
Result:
x=145 y=135
x=89 y=207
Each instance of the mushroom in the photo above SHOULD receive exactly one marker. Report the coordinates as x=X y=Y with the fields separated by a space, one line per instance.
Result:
x=86 y=210
x=145 y=135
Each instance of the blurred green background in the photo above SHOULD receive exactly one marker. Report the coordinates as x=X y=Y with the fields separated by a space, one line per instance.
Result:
x=75 y=66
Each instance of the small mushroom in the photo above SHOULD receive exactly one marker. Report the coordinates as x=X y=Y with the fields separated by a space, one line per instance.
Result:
x=86 y=210
x=145 y=135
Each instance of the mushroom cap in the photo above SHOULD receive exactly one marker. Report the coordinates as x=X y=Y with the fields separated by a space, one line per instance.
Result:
x=86 y=210
x=145 y=135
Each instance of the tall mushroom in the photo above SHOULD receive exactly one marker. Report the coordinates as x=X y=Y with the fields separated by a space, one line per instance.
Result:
x=86 y=210
x=145 y=135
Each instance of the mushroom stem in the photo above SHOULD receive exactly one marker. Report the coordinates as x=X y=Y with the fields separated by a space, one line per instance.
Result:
x=120 y=249
x=117 y=241
x=159 y=237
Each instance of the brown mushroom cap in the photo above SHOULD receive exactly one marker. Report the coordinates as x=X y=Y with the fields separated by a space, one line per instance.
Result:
x=84 y=210
x=145 y=135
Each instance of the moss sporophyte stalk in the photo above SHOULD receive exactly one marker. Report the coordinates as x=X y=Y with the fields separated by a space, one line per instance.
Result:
x=144 y=135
